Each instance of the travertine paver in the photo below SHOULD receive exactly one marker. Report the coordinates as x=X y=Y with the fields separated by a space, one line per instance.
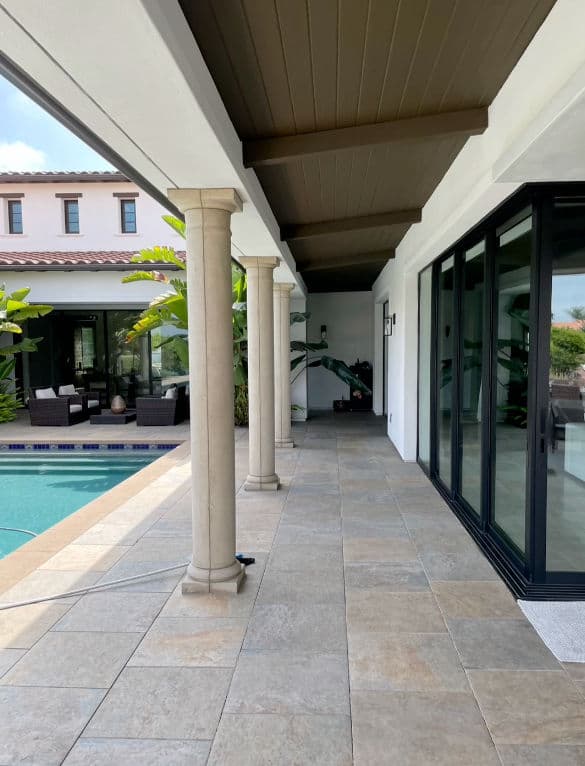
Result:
x=370 y=630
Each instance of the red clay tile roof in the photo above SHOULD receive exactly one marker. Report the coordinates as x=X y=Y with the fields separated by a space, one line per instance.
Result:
x=99 y=259
x=576 y=325
x=61 y=176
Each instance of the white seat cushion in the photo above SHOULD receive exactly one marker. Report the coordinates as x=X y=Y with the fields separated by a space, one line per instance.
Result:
x=93 y=403
x=74 y=408
x=45 y=393
x=67 y=390
x=171 y=393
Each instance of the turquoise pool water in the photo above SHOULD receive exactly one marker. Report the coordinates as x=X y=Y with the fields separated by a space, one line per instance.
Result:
x=38 y=488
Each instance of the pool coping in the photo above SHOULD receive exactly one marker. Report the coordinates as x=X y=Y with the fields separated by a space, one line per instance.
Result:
x=101 y=446
x=30 y=556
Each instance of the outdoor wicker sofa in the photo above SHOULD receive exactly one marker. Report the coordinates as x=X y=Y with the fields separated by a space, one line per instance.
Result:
x=46 y=408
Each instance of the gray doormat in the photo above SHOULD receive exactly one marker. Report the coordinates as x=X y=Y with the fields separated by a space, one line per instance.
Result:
x=561 y=625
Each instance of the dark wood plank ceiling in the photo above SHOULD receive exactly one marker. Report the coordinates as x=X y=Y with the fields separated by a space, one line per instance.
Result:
x=293 y=67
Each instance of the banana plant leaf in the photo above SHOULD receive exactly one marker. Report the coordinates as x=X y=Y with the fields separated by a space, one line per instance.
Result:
x=299 y=316
x=159 y=254
x=6 y=326
x=176 y=224
x=26 y=344
x=6 y=368
x=343 y=372
x=296 y=361
x=299 y=345
x=18 y=295
x=146 y=276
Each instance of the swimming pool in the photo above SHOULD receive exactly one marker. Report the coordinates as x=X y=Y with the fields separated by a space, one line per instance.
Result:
x=42 y=484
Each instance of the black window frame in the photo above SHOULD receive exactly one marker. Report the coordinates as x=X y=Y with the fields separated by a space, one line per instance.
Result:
x=12 y=203
x=124 y=220
x=67 y=216
x=526 y=577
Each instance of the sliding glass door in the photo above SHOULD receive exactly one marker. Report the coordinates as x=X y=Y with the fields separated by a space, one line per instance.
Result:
x=501 y=427
x=510 y=391
x=445 y=370
x=471 y=375
x=565 y=500
x=424 y=367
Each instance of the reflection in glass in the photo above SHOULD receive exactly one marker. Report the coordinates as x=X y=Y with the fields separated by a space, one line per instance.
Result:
x=512 y=348
x=471 y=388
x=424 y=366
x=445 y=336
x=170 y=365
x=566 y=450
x=129 y=363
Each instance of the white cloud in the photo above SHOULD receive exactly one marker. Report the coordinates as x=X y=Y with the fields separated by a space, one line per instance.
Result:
x=18 y=156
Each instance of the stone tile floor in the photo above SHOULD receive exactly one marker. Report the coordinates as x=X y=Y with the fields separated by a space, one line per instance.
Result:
x=371 y=630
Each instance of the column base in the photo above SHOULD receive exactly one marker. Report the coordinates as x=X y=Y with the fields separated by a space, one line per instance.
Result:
x=259 y=483
x=199 y=580
x=284 y=444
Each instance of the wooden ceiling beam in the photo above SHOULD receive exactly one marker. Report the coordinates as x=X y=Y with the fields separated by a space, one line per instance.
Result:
x=343 y=261
x=280 y=149
x=296 y=231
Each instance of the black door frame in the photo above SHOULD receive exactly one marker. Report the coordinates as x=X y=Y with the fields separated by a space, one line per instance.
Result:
x=525 y=575
x=385 y=317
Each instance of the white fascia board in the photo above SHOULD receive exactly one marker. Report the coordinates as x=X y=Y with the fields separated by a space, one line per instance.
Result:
x=553 y=146
x=133 y=74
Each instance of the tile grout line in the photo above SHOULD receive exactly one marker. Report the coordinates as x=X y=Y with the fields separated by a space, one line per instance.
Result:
x=79 y=736
x=437 y=604
x=349 y=691
x=222 y=712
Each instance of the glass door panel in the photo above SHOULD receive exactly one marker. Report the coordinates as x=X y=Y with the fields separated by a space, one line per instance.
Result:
x=445 y=369
x=512 y=284
x=565 y=531
x=424 y=367
x=470 y=414
x=128 y=363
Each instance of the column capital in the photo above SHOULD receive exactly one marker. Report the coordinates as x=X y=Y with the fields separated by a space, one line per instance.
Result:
x=283 y=287
x=213 y=199
x=254 y=262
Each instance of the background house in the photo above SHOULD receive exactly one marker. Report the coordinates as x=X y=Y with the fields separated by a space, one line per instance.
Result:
x=70 y=237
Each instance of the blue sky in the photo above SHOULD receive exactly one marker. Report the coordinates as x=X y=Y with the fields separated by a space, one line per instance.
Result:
x=30 y=139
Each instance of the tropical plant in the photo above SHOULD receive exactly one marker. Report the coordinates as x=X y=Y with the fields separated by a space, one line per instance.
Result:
x=14 y=310
x=307 y=358
x=567 y=349
x=170 y=309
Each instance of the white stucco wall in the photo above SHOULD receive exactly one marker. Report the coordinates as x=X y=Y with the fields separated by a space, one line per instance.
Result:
x=98 y=289
x=99 y=219
x=553 y=64
x=349 y=318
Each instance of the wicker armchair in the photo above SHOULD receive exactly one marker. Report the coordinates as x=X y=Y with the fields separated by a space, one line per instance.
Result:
x=90 y=400
x=56 y=410
x=154 y=411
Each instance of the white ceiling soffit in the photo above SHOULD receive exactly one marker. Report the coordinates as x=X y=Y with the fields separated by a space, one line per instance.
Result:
x=132 y=73
x=553 y=147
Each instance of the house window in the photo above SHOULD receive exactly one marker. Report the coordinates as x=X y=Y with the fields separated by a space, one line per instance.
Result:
x=14 y=216
x=128 y=216
x=71 y=211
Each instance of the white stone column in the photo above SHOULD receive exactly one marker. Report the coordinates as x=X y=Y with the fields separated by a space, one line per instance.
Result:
x=209 y=282
x=282 y=414
x=262 y=473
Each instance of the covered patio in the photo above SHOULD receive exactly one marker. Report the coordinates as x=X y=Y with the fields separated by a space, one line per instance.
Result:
x=369 y=630
x=307 y=142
